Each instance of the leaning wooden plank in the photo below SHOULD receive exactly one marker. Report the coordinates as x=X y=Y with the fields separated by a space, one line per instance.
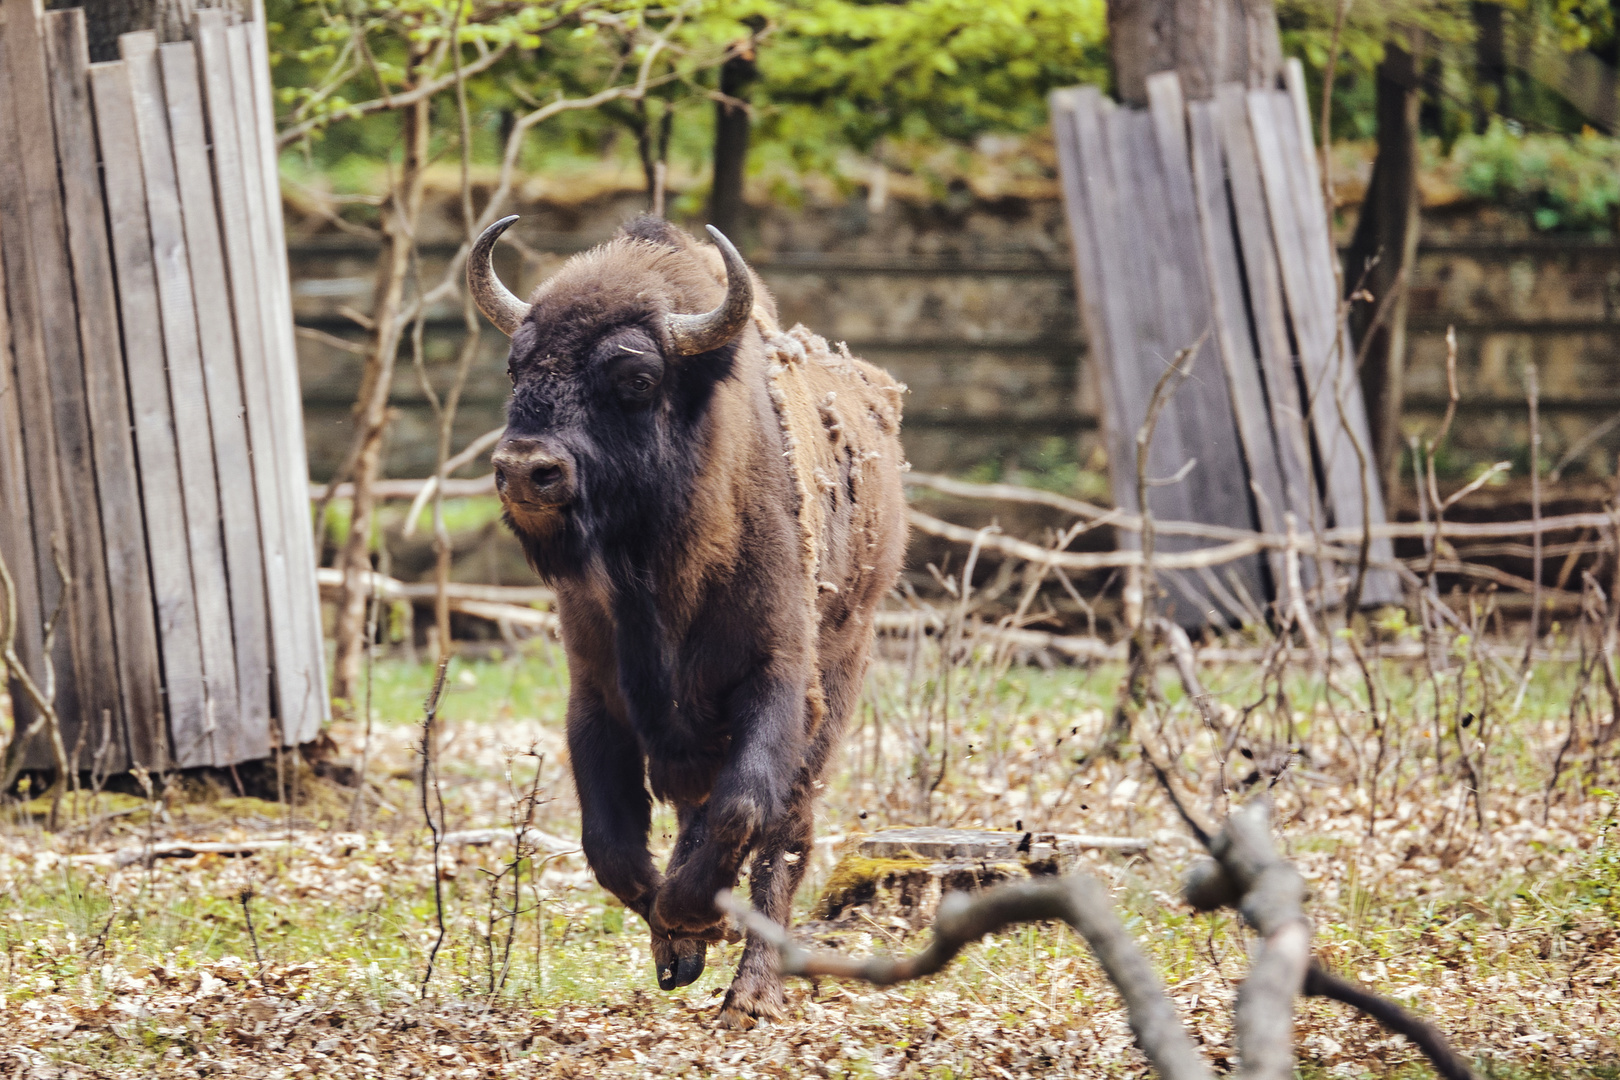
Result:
x=118 y=486
x=273 y=466
x=31 y=384
x=188 y=395
x=248 y=738
x=1157 y=292
x=319 y=704
x=1354 y=486
x=312 y=708
x=1353 y=436
x=1165 y=329
x=89 y=609
x=150 y=408
x=1096 y=183
x=1240 y=359
x=1130 y=288
x=1263 y=287
x=16 y=537
x=232 y=188
x=1066 y=106
x=1219 y=484
x=1313 y=327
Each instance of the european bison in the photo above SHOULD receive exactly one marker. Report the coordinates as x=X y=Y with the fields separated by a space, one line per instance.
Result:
x=718 y=506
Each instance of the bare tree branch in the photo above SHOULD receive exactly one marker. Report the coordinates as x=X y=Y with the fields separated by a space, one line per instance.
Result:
x=1077 y=900
x=420 y=92
x=1319 y=982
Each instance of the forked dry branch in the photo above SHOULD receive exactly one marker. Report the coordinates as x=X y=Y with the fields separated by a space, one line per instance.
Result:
x=1244 y=871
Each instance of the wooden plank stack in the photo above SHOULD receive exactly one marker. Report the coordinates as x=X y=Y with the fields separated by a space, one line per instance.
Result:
x=1202 y=224
x=152 y=474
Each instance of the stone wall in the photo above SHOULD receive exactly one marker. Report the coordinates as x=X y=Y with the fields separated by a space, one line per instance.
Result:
x=970 y=301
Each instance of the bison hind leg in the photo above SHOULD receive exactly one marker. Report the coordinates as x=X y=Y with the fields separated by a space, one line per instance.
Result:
x=780 y=860
x=755 y=994
x=678 y=961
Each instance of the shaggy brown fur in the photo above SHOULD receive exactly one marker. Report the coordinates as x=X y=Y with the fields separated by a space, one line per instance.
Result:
x=719 y=545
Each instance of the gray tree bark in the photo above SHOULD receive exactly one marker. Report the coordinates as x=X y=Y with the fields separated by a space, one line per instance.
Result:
x=1206 y=42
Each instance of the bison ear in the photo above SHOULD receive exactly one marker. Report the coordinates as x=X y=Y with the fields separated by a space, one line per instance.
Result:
x=656 y=230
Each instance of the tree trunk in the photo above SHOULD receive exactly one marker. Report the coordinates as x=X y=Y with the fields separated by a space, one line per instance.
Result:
x=403 y=211
x=1206 y=42
x=1386 y=238
x=731 y=122
x=106 y=19
x=1490 y=62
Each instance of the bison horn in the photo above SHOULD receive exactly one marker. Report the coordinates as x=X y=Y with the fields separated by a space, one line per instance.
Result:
x=693 y=334
x=495 y=300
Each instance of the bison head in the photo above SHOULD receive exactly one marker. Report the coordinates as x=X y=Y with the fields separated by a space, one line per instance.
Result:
x=612 y=364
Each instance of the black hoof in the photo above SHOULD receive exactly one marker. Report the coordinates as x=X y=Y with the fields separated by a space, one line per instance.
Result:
x=681 y=965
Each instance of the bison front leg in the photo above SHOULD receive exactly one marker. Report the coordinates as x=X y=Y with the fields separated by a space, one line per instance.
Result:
x=615 y=807
x=680 y=960
x=749 y=799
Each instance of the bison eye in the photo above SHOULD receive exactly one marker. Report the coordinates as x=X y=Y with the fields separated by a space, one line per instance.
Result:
x=638 y=387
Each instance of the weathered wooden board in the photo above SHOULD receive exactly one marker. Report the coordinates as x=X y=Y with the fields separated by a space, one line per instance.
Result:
x=88 y=623
x=1145 y=297
x=1080 y=192
x=16 y=536
x=150 y=408
x=33 y=381
x=1135 y=277
x=1239 y=355
x=243 y=261
x=302 y=717
x=1338 y=418
x=188 y=395
x=1205 y=221
x=1267 y=311
x=1355 y=437
x=248 y=736
x=1220 y=480
x=118 y=487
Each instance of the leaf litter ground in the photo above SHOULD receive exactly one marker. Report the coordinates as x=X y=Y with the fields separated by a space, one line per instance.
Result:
x=1506 y=934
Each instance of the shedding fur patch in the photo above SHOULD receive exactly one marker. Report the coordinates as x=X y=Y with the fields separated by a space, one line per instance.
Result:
x=835 y=411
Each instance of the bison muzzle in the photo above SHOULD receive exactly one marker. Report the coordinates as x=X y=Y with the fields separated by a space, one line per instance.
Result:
x=718 y=505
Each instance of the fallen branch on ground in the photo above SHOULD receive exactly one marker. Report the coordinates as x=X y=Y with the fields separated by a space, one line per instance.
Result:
x=400 y=490
x=542 y=841
x=1077 y=900
x=510 y=604
x=1128 y=522
x=1244 y=872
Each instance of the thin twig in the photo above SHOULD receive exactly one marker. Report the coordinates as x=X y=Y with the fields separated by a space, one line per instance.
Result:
x=253 y=935
x=430 y=777
x=1533 y=397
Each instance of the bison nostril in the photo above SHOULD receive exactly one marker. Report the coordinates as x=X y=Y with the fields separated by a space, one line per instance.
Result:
x=500 y=478
x=545 y=476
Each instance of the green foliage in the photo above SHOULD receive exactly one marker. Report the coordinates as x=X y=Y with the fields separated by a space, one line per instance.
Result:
x=334 y=66
x=850 y=72
x=1562 y=184
x=1597 y=879
x=1049 y=465
x=834 y=74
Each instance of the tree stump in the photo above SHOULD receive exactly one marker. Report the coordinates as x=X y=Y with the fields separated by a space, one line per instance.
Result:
x=897 y=877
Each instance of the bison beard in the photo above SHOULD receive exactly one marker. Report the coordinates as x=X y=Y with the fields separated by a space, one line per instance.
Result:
x=718 y=506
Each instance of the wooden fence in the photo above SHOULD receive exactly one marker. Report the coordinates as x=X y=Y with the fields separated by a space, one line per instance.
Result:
x=1203 y=222
x=152 y=465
